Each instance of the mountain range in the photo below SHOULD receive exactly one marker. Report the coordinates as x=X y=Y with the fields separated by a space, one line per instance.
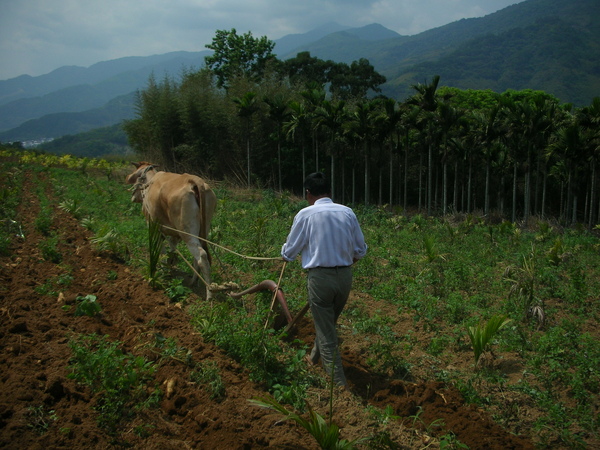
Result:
x=548 y=45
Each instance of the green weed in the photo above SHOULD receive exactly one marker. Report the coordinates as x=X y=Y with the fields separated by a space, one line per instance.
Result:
x=54 y=284
x=40 y=419
x=207 y=374
x=43 y=222
x=432 y=253
x=168 y=348
x=87 y=306
x=259 y=349
x=449 y=441
x=176 y=291
x=557 y=253
x=119 y=378
x=50 y=250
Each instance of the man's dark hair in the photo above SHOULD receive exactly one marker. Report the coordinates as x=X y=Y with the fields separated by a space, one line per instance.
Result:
x=317 y=184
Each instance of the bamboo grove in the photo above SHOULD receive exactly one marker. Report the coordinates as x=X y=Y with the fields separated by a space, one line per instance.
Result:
x=442 y=150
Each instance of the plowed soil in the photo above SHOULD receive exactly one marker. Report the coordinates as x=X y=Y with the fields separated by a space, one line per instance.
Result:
x=35 y=353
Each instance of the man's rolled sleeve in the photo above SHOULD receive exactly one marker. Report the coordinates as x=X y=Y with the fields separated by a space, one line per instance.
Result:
x=294 y=243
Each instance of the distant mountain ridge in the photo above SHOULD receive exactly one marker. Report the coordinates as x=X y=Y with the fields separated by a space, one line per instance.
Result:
x=549 y=45
x=82 y=89
x=26 y=86
x=64 y=123
x=287 y=44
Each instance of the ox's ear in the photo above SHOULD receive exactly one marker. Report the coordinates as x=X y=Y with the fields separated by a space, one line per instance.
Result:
x=137 y=165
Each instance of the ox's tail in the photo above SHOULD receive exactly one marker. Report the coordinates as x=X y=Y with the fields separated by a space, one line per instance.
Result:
x=199 y=193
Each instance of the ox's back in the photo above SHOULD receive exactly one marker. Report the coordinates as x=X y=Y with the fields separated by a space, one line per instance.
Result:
x=180 y=201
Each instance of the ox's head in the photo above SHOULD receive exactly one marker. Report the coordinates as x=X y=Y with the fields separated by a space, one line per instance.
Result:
x=139 y=178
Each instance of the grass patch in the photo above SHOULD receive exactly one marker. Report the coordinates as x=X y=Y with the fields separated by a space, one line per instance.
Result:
x=124 y=381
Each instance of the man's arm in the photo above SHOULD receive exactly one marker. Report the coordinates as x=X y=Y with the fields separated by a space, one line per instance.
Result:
x=294 y=242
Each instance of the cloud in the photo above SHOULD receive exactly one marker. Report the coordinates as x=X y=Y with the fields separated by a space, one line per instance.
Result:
x=37 y=36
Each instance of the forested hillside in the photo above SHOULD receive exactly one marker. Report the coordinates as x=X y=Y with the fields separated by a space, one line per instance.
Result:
x=555 y=55
x=508 y=156
x=547 y=45
x=110 y=142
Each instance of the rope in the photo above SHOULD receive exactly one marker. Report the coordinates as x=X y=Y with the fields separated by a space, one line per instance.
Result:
x=230 y=285
x=192 y=267
x=278 y=258
x=213 y=286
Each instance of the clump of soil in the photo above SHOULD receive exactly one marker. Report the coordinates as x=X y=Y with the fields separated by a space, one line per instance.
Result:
x=41 y=407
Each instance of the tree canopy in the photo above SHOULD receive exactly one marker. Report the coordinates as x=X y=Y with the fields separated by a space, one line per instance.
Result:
x=237 y=55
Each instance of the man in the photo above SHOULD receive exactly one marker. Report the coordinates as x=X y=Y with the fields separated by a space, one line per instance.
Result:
x=330 y=240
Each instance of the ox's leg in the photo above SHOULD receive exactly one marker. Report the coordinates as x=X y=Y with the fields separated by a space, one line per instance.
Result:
x=201 y=263
x=171 y=252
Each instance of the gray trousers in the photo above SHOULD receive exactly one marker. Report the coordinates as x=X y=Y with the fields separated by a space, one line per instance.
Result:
x=328 y=291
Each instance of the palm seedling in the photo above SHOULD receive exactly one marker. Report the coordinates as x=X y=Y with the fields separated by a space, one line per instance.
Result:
x=482 y=334
x=327 y=434
x=523 y=288
x=155 y=241
x=432 y=253
x=108 y=240
x=71 y=206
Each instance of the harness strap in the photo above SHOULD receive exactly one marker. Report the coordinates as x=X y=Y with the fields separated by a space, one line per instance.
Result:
x=141 y=181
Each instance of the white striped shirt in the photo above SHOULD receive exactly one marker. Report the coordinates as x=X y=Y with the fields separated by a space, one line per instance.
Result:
x=327 y=234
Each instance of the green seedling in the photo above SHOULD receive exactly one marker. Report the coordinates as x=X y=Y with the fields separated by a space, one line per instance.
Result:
x=87 y=306
x=482 y=334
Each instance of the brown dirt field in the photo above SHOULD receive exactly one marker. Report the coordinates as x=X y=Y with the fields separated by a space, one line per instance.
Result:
x=34 y=357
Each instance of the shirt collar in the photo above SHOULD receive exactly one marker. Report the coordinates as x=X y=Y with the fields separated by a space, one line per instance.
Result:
x=323 y=200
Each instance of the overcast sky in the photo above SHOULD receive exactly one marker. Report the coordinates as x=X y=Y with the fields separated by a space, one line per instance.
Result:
x=38 y=36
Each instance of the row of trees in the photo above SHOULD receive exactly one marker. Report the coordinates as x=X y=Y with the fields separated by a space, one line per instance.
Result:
x=252 y=118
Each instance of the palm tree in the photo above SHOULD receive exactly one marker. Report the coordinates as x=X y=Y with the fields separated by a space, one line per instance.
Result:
x=570 y=146
x=362 y=126
x=332 y=115
x=426 y=99
x=487 y=132
x=298 y=128
x=313 y=98
x=589 y=119
x=247 y=106
x=408 y=124
x=449 y=119
x=529 y=124
x=512 y=121
x=278 y=112
x=387 y=122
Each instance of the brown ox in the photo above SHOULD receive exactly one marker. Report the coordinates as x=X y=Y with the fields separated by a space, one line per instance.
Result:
x=184 y=203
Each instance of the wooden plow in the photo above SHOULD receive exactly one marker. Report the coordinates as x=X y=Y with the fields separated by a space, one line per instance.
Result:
x=283 y=317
